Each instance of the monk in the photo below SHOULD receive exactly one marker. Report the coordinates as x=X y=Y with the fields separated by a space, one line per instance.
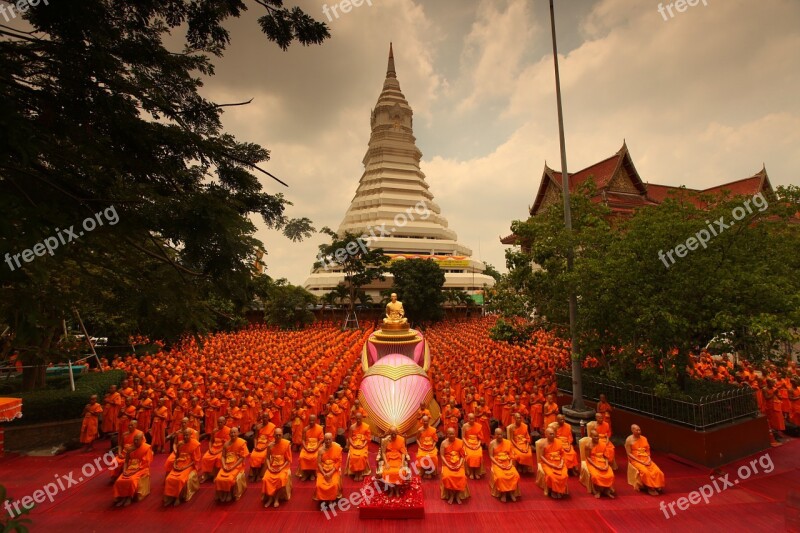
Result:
x=276 y=484
x=537 y=410
x=212 y=459
x=329 y=471
x=550 y=410
x=454 y=477
x=604 y=407
x=158 y=430
x=564 y=434
x=313 y=435
x=264 y=435
x=300 y=415
x=230 y=482
x=472 y=432
x=126 y=444
x=521 y=453
x=89 y=426
x=134 y=470
x=177 y=439
x=553 y=465
x=647 y=473
x=358 y=443
x=112 y=403
x=180 y=484
x=599 y=466
x=604 y=430
x=426 y=441
x=503 y=477
x=393 y=461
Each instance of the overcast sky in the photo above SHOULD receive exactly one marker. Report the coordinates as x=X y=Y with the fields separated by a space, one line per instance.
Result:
x=702 y=98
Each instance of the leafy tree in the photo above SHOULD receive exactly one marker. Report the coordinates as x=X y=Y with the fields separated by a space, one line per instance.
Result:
x=492 y=271
x=100 y=118
x=287 y=306
x=418 y=284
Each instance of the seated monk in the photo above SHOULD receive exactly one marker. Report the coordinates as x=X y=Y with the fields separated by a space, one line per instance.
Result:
x=426 y=448
x=454 y=478
x=503 y=477
x=394 y=311
x=471 y=433
x=91 y=417
x=604 y=407
x=312 y=439
x=564 y=434
x=177 y=439
x=358 y=456
x=645 y=473
x=230 y=482
x=554 y=469
x=521 y=453
x=329 y=471
x=393 y=461
x=124 y=446
x=134 y=482
x=276 y=485
x=550 y=410
x=600 y=476
x=182 y=481
x=264 y=435
x=212 y=459
x=604 y=431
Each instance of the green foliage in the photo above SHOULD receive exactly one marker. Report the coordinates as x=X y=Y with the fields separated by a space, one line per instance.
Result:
x=9 y=524
x=492 y=271
x=287 y=306
x=511 y=332
x=62 y=404
x=418 y=284
x=102 y=117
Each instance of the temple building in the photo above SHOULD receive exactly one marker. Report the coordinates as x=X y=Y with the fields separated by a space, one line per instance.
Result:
x=619 y=186
x=393 y=204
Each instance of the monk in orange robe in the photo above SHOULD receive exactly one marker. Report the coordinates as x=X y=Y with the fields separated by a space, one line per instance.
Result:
x=471 y=433
x=89 y=426
x=537 y=410
x=521 y=453
x=159 y=428
x=503 y=477
x=182 y=482
x=144 y=412
x=212 y=459
x=648 y=474
x=230 y=482
x=300 y=416
x=454 y=477
x=550 y=410
x=265 y=433
x=177 y=439
x=604 y=407
x=794 y=400
x=393 y=461
x=135 y=468
x=276 y=484
x=358 y=456
x=112 y=403
x=599 y=466
x=553 y=465
x=427 y=460
x=329 y=471
x=313 y=435
x=124 y=446
x=564 y=434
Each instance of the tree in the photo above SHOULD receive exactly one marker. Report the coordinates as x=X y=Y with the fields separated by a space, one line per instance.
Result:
x=106 y=141
x=360 y=264
x=287 y=306
x=492 y=271
x=418 y=284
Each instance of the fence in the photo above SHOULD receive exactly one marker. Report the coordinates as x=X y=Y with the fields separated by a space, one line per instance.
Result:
x=698 y=413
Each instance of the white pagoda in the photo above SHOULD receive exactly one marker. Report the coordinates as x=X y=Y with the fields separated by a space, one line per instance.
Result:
x=394 y=207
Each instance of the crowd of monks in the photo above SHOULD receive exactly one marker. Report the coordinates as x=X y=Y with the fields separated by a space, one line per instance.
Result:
x=260 y=396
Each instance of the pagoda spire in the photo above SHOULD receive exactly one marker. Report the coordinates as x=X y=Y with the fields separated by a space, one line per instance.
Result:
x=390 y=72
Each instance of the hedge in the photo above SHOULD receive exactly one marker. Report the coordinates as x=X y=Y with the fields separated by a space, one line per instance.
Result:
x=55 y=405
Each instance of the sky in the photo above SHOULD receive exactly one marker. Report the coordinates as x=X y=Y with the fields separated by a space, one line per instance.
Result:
x=702 y=98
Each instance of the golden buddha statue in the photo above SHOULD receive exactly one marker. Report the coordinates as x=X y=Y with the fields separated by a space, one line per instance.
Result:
x=394 y=312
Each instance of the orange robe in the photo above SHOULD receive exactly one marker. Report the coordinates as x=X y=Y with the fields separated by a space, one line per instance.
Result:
x=226 y=479
x=279 y=465
x=358 y=457
x=503 y=478
x=138 y=467
x=263 y=438
x=159 y=428
x=472 y=443
x=521 y=445
x=331 y=465
x=454 y=476
x=564 y=434
x=550 y=413
x=537 y=412
x=112 y=405
x=394 y=452
x=212 y=458
x=144 y=414
x=185 y=463
x=599 y=465
x=555 y=476
x=650 y=474
x=311 y=443
x=300 y=421
x=427 y=448
x=90 y=423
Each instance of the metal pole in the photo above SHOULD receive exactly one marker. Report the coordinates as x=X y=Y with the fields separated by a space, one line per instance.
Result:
x=86 y=335
x=577 y=385
x=71 y=377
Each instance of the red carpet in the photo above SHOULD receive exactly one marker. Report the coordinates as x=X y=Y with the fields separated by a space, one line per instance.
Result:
x=756 y=504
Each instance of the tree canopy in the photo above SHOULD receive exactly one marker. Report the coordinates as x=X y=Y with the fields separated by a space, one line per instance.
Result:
x=418 y=284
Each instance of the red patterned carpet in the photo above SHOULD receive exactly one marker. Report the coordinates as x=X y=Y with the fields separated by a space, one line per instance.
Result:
x=763 y=502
